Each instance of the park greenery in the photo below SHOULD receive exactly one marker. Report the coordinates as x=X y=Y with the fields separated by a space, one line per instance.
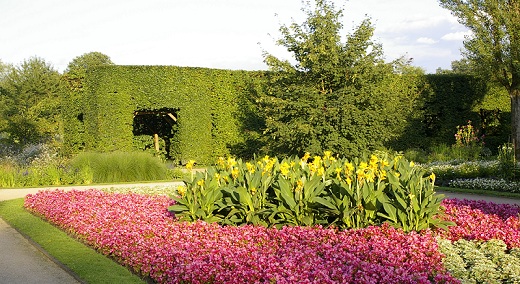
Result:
x=333 y=139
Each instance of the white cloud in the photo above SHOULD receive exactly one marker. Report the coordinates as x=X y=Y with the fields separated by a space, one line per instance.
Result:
x=426 y=40
x=456 y=36
x=208 y=33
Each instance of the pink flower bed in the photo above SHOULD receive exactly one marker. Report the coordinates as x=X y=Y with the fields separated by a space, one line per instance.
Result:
x=481 y=220
x=140 y=233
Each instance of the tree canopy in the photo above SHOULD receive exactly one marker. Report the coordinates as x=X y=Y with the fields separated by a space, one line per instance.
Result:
x=30 y=97
x=494 y=46
x=339 y=94
x=77 y=68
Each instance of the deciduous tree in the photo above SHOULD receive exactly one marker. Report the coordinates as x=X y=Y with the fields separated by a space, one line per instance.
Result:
x=339 y=94
x=494 y=45
x=31 y=95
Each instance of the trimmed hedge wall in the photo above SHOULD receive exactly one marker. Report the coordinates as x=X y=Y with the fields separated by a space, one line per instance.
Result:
x=450 y=100
x=205 y=100
x=216 y=116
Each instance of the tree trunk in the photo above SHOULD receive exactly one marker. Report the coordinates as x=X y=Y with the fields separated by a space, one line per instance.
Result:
x=515 y=120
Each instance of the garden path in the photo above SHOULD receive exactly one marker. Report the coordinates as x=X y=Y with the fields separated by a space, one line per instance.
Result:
x=22 y=261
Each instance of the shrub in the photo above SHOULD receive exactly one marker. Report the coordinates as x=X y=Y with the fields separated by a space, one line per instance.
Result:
x=507 y=162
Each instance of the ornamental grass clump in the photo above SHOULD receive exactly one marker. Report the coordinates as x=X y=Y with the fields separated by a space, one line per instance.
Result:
x=322 y=190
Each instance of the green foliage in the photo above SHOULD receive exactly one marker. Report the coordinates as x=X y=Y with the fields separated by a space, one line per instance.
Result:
x=207 y=104
x=327 y=191
x=74 y=100
x=481 y=262
x=445 y=102
x=118 y=167
x=30 y=95
x=446 y=171
x=507 y=164
x=494 y=46
x=339 y=95
x=412 y=203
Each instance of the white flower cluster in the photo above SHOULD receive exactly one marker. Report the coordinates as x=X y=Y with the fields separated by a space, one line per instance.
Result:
x=148 y=190
x=460 y=169
x=486 y=184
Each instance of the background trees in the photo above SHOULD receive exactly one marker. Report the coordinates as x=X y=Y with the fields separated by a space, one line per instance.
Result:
x=30 y=96
x=339 y=94
x=75 y=75
x=494 y=46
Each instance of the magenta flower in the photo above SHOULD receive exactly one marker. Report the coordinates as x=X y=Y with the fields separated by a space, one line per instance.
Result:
x=139 y=232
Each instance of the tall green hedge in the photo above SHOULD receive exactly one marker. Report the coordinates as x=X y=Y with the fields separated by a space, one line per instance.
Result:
x=216 y=114
x=206 y=101
x=449 y=100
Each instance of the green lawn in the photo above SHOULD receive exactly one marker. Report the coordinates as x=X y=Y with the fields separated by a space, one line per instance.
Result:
x=480 y=192
x=85 y=262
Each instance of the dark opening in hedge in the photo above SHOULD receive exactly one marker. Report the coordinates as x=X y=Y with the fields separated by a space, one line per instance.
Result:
x=158 y=124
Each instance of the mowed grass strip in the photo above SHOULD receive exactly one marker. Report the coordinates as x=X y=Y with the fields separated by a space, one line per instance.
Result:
x=85 y=262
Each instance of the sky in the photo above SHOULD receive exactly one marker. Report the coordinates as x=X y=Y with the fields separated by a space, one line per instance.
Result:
x=223 y=34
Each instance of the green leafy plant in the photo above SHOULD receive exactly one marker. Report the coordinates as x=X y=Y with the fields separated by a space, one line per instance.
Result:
x=411 y=202
x=507 y=161
x=246 y=187
x=356 y=192
x=326 y=190
x=298 y=191
x=481 y=262
x=199 y=199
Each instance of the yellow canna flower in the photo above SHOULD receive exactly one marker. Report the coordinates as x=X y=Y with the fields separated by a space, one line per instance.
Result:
x=200 y=183
x=348 y=168
x=412 y=164
x=360 y=174
x=432 y=177
x=234 y=173
x=382 y=174
x=363 y=166
x=321 y=171
x=221 y=162
x=370 y=176
x=250 y=168
x=373 y=160
x=284 y=169
x=338 y=172
x=253 y=190
x=231 y=162
x=306 y=157
x=299 y=186
x=327 y=155
x=181 y=190
x=349 y=181
x=190 y=164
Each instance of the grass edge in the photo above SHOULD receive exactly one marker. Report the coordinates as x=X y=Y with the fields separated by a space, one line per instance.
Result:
x=81 y=261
